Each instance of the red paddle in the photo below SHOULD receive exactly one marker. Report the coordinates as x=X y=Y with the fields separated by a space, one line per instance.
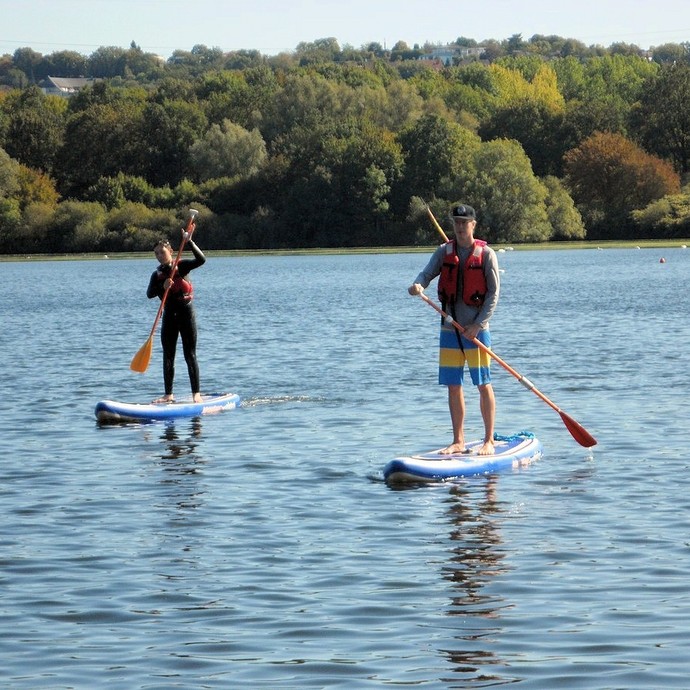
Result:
x=577 y=431
x=140 y=361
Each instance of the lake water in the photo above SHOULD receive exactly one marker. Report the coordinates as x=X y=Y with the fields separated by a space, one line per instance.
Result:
x=260 y=548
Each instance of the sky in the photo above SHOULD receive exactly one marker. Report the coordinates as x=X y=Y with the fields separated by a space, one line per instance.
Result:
x=276 y=26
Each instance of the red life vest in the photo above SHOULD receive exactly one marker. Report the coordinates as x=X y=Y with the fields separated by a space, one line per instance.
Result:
x=181 y=289
x=473 y=280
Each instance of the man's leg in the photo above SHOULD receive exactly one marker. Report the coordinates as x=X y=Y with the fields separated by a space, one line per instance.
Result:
x=456 y=405
x=487 y=406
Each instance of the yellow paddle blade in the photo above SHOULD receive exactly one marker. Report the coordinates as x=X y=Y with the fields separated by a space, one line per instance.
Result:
x=140 y=361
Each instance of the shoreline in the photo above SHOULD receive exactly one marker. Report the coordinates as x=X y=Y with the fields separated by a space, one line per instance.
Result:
x=540 y=246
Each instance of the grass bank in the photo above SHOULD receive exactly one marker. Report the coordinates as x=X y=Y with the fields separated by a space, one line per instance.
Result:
x=540 y=246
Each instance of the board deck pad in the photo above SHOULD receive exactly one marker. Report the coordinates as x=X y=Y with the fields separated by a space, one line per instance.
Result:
x=511 y=452
x=113 y=411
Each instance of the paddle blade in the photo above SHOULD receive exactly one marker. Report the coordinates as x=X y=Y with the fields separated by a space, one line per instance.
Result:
x=578 y=432
x=140 y=361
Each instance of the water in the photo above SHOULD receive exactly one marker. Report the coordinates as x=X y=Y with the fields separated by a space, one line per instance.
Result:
x=260 y=548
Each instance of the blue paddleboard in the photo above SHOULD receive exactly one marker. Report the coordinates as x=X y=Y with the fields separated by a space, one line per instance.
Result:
x=112 y=411
x=510 y=452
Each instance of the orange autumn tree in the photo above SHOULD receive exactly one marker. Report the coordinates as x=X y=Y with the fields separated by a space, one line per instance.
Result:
x=609 y=176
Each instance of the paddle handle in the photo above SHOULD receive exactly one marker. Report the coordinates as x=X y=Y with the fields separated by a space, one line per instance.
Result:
x=436 y=225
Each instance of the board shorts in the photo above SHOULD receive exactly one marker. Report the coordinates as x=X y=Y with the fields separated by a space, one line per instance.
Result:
x=455 y=352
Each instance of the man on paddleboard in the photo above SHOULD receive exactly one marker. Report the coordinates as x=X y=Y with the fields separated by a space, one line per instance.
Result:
x=178 y=314
x=468 y=289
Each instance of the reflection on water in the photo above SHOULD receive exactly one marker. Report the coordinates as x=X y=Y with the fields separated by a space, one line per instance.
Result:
x=181 y=458
x=477 y=557
x=179 y=446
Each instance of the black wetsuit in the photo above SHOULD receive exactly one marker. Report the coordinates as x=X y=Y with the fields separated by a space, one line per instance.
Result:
x=178 y=319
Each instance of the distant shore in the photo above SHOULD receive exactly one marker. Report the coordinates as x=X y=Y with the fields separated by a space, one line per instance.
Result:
x=613 y=244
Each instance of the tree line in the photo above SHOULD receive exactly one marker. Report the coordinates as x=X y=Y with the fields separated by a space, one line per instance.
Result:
x=337 y=147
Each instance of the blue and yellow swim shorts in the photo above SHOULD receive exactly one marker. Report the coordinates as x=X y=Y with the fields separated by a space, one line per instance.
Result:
x=456 y=351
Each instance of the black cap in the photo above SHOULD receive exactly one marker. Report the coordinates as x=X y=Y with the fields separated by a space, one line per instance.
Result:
x=463 y=211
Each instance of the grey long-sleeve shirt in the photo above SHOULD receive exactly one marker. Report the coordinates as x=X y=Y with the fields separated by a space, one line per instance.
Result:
x=464 y=313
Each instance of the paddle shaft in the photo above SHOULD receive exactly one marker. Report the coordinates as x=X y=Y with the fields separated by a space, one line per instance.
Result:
x=522 y=379
x=578 y=432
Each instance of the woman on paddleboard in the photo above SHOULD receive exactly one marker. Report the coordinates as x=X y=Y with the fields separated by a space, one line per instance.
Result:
x=468 y=290
x=178 y=314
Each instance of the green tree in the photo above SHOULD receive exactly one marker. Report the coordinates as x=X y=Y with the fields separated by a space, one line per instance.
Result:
x=390 y=107
x=107 y=62
x=584 y=118
x=662 y=120
x=76 y=226
x=621 y=75
x=321 y=50
x=168 y=131
x=35 y=124
x=9 y=175
x=306 y=100
x=226 y=96
x=32 y=231
x=27 y=61
x=671 y=54
x=539 y=129
x=136 y=227
x=228 y=150
x=566 y=221
x=66 y=63
x=10 y=211
x=570 y=76
x=436 y=152
x=35 y=187
x=666 y=217
x=334 y=183
x=100 y=141
x=242 y=97
x=113 y=192
x=509 y=199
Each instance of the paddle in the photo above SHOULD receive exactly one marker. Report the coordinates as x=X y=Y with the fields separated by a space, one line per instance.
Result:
x=435 y=222
x=577 y=431
x=140 y=361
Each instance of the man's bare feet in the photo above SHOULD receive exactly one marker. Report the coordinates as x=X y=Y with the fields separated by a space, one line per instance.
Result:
x=165 y=399
x=198 y=398
x=453 y=449
x=487 y=448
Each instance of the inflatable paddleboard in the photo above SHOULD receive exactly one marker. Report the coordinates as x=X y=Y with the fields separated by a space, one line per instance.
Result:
x=511 y=452
x=111 y=411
